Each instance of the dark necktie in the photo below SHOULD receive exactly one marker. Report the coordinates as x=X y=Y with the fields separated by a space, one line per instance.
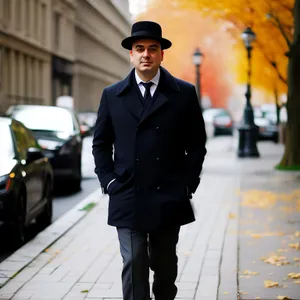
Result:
x=147 y=95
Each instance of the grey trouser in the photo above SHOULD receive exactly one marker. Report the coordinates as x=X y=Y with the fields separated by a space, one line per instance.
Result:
x=140 y=251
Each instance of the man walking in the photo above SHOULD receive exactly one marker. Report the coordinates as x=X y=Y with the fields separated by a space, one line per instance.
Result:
x=155 y=125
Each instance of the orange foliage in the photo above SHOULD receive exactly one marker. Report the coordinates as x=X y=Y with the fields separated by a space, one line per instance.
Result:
x=187 y=29
x=271 y=20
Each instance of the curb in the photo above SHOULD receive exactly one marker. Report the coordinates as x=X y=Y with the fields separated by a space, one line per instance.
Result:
x=22 y=257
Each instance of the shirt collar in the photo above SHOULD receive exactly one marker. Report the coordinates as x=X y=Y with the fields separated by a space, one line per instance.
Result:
x=155 y=79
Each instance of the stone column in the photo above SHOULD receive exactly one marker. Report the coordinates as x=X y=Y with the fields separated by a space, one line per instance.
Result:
x=12 y=77
x=21 y=76
x=29 y=78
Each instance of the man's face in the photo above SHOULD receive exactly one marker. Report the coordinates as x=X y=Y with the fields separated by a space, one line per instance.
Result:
x=146 y=56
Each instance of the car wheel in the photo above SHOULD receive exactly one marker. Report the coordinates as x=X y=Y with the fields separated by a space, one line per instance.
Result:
x=45 y=218
x=76 y=183
x=17 y=230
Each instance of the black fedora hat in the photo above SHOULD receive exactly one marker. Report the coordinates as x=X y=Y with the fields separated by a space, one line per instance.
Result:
x=146 y=30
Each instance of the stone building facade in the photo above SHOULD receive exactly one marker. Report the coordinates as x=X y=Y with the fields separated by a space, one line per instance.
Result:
x=50 y=48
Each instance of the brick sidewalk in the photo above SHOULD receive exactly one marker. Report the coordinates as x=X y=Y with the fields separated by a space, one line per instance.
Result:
x=86 y=264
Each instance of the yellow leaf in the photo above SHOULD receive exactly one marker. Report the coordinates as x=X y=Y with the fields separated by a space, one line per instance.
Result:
x=296 y=258
x=297 y=234
x=276 y=260
x=294 y=275
x=226 y=293
x=257 y=298
x=270 y=283
x=297 y=281
x=283 y=298
x=231 y=216
x=295 y=246
x=247 y=272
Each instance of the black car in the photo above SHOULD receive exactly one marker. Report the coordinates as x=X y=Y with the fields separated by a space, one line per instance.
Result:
x=218 y=121
x=57 y=130
x=26 y=181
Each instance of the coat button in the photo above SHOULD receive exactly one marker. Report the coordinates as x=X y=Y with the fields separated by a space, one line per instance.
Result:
x=158 y=188
x=157 y=158
x=157 y=128
x=137 y=160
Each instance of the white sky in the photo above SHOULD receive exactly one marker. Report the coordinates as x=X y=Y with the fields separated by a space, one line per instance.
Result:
x=137 y=6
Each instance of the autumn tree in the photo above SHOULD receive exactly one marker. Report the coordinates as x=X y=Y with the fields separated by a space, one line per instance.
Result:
x=188 y=30
x=277 y=25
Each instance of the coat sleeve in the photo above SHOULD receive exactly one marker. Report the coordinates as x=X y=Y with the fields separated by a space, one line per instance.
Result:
x=103 y=144
x=195 y=140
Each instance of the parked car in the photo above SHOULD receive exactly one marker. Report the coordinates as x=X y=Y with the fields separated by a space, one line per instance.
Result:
x=57 y=130
x=88 y=119
x=26 y=181
x=267 y=127
x=218 y=121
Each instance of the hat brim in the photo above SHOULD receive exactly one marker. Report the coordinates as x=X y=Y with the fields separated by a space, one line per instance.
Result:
x=127 y=43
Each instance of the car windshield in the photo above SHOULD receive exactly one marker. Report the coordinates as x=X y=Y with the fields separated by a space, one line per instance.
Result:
x=45 y=118
x=210 y=114
x=6 y=145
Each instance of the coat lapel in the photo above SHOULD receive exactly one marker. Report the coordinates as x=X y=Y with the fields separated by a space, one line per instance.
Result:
x=133 y=103
x=161 y=96
x=158 y=101
x=129 y=96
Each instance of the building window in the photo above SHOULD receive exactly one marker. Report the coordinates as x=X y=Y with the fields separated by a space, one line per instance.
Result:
x=36 y=18
x=44 y=23
x=27 y=17
x=1 y=67
x=18 y=5
x=56 y=31
x=6 y=13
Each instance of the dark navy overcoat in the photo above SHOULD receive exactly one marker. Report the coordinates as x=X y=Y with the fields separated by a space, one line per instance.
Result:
x=154 y=152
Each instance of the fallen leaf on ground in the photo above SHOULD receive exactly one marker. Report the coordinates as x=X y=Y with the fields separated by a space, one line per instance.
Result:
x=282 y=250
x=259 y=199
x=297 y=234
x=84 y=291
x=283 y=298
x=270 y=283
x=247 y=272
x=265 y=234
x=276 y=260
x=295 y=246
x=257 y=298
x=294 y=275
x=232 y=216
x=296 y=258
x=226 y=293
x=297 y=281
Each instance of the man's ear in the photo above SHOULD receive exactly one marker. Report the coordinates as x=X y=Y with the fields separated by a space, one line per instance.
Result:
x=131 y=55
x=162 y=55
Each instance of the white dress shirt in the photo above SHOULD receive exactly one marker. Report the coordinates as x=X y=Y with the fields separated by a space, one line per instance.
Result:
x=155 y=81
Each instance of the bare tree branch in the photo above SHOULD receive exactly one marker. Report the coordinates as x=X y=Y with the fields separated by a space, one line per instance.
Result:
x=278 y=24
x=272 y=62
x=286 y=7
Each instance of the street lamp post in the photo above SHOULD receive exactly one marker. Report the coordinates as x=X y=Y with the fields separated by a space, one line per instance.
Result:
x=248 y=131
x=197 y=60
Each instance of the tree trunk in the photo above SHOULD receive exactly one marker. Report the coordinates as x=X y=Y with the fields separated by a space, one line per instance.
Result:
x=277 y=104
x=291 y=157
